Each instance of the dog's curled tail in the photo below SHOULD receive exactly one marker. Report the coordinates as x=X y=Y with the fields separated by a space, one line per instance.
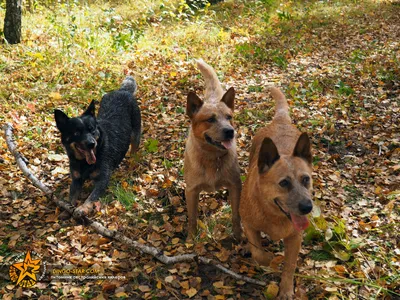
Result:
x=129 y=84
x=281 y=105
x=214 y=90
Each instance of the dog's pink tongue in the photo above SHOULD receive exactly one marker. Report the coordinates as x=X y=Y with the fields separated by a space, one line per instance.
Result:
x=227 y=144
x=90 y=157
x=299 y=222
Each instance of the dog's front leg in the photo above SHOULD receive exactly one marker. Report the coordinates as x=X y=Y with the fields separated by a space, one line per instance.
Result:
x=100 y=187
x=292 y=249
x=234 y=198
x=257 y=251
x=192 y=203
x=74 y=192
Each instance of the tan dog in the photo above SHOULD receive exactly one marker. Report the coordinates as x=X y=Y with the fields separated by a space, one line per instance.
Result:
x=277 y=193
x=210 y=155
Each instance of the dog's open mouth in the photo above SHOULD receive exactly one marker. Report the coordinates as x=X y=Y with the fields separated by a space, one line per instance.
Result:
x=89 y=155
x=222 y=145
x=299 y=222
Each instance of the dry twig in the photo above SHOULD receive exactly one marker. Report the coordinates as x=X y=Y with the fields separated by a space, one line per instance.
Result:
x=8 y=131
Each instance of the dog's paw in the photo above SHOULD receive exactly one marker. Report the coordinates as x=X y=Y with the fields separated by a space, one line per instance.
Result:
x=191 y=236
x=84 y=210
x=286 y=289
x=192 y=231
x=286 y=296
x=189 y=240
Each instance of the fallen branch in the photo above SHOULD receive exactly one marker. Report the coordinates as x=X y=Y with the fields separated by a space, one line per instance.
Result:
x=113 y=234
x=8 y=131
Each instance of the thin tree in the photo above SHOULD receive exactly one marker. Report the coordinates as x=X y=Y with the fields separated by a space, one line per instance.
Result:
x=12 y=21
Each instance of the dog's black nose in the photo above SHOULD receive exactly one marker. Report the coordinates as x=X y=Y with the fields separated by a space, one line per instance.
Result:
x=229 y=133
x=91 y=144
x=305 y=206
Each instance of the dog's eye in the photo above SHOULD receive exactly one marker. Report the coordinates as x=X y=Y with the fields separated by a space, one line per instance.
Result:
x=305 y=180
x=229 y=117
x=77 y=133
x=211 y=120
x=284 y=183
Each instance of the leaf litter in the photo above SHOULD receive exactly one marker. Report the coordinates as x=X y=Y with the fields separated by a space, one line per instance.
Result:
x=339 y=67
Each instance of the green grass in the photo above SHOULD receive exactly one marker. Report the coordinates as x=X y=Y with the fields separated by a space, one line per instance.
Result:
x=4 y=250
x=127 y=198
x=320 y=255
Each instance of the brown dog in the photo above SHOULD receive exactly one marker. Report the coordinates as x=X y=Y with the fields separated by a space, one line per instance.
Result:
x=210 y=155
x=277 y=193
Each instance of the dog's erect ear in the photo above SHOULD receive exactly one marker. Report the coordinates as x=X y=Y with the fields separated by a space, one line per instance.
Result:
x=303 y=148
x=229 y=98
x=61 y=119
x=193 y=104
x=268 y=155
x=90 y=111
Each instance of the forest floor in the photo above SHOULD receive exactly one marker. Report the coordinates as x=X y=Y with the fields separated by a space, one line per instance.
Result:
x=338 y=62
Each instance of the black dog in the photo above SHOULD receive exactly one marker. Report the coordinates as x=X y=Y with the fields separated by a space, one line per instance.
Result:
x=96 y=147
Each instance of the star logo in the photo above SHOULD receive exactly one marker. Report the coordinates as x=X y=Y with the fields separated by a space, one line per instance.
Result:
x=24 y=273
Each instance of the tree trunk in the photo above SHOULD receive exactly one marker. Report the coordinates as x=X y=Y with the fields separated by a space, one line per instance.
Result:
x=12 y=21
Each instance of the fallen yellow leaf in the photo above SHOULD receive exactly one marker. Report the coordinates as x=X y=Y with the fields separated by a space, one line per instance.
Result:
x=340 y=269
x=121 y=294
x=102 y=241
x=201 y=224
x=272 y=291
x=159 y=284
x=184 y=284
x=55 y=96
x=378 y=190
x=218 y=284
x=214 y=204
x=191 y=292
x=144 y=288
